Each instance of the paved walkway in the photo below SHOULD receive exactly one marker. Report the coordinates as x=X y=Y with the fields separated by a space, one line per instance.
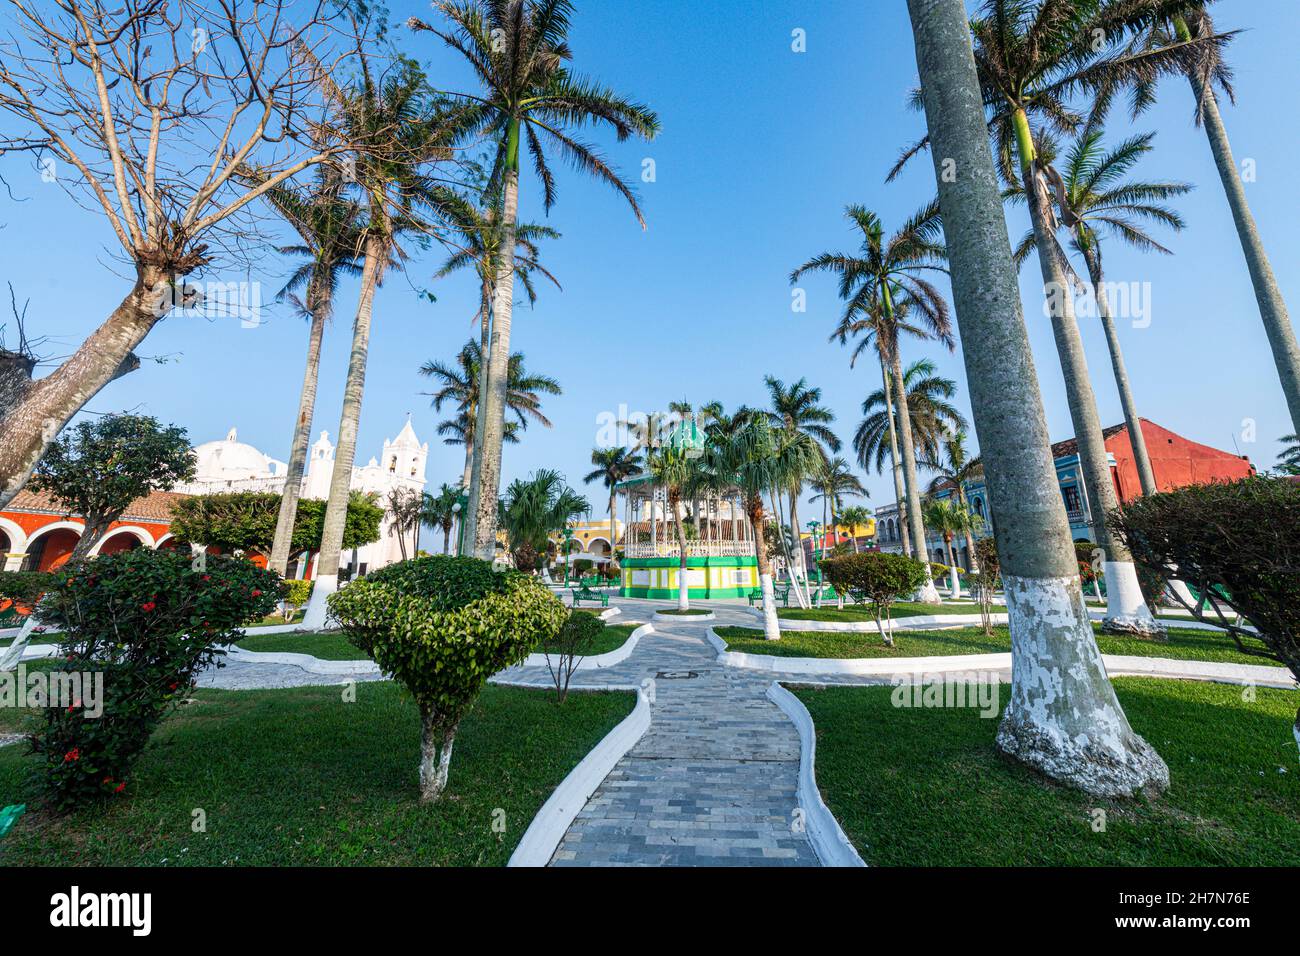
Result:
x=713 y=780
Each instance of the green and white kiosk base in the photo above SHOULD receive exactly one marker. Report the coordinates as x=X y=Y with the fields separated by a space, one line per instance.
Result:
x=706 y=577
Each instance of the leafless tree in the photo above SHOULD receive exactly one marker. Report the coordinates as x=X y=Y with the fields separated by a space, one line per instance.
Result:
x=145 y=112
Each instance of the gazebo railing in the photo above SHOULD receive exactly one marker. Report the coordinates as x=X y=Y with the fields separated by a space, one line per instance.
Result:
x=694 y=549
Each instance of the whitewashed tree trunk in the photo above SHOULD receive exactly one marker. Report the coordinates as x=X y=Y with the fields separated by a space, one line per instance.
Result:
x=11 y=655
x=896 y=465
x=927 y=594
x=1063 y=718
x=1123 y=615
x=435 y=758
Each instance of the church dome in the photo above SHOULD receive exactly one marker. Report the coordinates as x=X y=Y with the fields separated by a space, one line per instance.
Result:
x=231 y=460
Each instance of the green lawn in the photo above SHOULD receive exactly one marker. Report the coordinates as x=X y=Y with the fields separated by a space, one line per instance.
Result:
x=274 y=620
x=40 y=638
x=298 y=778
x=1183 y=644
x=689 y=612
x=333 y=646
x=859 y=612
x=926 y=787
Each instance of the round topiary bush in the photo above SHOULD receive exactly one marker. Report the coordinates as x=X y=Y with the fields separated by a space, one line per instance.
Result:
x=136 y=627
x=441 y=626
x=878 y=579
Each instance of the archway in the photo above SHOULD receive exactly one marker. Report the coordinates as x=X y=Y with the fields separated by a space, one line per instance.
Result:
x=51 y=546
x=118 y=540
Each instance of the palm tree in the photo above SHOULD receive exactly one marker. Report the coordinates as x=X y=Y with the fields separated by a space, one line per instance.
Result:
x=756 y=458
x=855 y=516
x=612 y=466
x=459 y=383
x=533 y=510
x=479 y=232
x=951 y=519
x=1051 y=723
x=439 y=512
x=1031 y=55
x=1288 y=462
x=518 y=50
x=834 y=482
x=934 y=416
x=1095 y=201
x=399 y=129
x=954 y=469
x=880 y=285
x=1202 y=63
x=674 y=467
x=796 y=410
x=328 y=222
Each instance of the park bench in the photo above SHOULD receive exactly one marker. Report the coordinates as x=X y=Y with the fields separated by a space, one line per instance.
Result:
x=780 y=591
x=583 y=592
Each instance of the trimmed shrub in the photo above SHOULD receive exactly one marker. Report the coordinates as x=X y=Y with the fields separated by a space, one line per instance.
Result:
x=24 y=588
x=441 y=626
x=147 y=621
x=583 y=566
x=876 y=578
x=296 y=594
x=1238 y=541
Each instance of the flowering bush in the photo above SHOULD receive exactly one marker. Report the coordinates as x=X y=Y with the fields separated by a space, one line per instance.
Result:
x=147 y=621
x=441 y=626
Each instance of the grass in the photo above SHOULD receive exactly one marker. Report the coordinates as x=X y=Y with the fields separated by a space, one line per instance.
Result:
x=37 y=638
x=298 y=778
x=273 y=620
x=1182 y=644
x=859 y=612
x=334 y=646
x=927 y=788
x=688 y=612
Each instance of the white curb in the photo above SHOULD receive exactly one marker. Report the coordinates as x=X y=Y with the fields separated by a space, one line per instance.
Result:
x=684 y=618
x=312 y=665
x=557 y=814
x=899 y=623
x=829 y=842
x=1117 y=665
x=597 y=661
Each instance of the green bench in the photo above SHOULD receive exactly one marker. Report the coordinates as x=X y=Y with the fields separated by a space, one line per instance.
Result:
x=584 y=593
x=780 y=591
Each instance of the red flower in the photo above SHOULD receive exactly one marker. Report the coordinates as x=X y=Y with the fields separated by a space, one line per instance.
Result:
x=71 y=755
x=120 y=787
x=107 y=781
x=257 y=593
x=147 y=606
x=174 y=686
x=207 y=577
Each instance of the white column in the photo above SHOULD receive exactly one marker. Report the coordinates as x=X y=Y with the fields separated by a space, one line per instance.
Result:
x=14 y=561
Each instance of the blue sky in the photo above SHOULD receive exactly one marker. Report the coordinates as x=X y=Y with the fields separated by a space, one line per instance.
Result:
x=761 y=149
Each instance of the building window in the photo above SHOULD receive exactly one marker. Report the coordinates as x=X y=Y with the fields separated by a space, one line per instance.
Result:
x=979 y=507
x=1073 y=504
x=392 y=465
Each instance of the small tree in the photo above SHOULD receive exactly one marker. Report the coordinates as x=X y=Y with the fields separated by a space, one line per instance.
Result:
x=97 y=468
x=148 y=621
x=245 y=521
x=985 y=578
x=574 y=641
x=296 y=594
x=878 y=579
x=441 y=626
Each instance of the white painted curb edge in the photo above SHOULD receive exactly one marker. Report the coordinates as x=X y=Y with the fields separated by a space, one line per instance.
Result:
x=312 y=665
x=557 y=814
x=828 y=840
x=895 y=624
x=597 y=661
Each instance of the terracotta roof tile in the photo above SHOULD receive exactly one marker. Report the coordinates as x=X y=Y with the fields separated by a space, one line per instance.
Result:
x=155 y=507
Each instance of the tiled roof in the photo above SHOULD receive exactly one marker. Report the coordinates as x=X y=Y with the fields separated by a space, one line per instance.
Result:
x=155 y=507
x=1070 y=446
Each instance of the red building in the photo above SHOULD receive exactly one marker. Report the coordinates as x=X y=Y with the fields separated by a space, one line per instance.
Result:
x=1175 y=460
x=37 y=534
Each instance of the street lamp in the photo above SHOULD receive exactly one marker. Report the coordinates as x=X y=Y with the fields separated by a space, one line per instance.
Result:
x=568 y=538
x=458 y=509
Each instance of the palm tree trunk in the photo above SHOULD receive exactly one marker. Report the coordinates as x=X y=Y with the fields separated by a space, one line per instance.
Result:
x=1272 y=308
x=336 y=507
x=1062 y=718
x=1126 y=610
x=954 y=580
x=1146 y=475
x=927 y=593
x=797 y=566
x=683 y=589
x=970 y=539
x=613 y=522
x=494 y=395
x=49 y=403
x=754 y=512
x=474 y=444
x=318 y=303
x=897 y=468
